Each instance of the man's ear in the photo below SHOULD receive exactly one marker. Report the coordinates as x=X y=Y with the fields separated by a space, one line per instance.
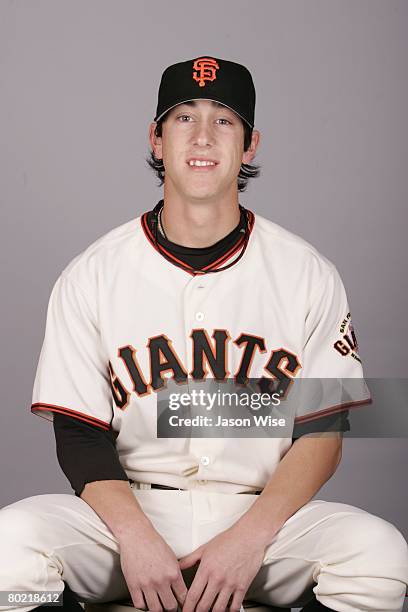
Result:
x=249 y=155
x=155 y=141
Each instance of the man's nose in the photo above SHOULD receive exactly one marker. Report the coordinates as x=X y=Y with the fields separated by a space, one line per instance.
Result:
x=203 y=134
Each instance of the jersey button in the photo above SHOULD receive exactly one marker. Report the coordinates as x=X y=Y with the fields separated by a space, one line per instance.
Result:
x=204 y=460
x=199 y=316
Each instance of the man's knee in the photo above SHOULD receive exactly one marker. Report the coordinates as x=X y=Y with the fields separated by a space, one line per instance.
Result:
x=18 y=524
x=377 y=540
x=23 y=563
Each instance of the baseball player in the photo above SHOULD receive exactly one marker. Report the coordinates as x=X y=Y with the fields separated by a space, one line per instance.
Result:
x=199 y=289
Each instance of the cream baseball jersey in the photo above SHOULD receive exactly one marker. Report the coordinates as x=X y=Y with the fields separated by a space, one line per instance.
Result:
x=122 y=319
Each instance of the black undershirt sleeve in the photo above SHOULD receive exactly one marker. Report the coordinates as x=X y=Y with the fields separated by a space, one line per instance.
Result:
x=333 y=422
x=86 y=453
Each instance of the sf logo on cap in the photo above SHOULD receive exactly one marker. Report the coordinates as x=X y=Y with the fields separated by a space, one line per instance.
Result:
x=205 y=68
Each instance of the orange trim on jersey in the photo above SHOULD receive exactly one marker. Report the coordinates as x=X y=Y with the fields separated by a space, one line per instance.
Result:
x=332 y=410
x=215 y=264
x=37 y=407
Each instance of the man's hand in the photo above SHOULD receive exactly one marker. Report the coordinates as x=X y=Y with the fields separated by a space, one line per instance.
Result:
x=151 y=569
x=228 y=564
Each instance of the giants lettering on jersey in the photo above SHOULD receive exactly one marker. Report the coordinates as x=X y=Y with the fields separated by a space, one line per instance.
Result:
x=282 y=365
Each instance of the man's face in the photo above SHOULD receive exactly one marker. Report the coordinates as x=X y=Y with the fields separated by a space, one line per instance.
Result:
x=194 y=133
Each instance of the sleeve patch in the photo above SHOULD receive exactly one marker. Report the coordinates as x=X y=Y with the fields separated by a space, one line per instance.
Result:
x=347 y=345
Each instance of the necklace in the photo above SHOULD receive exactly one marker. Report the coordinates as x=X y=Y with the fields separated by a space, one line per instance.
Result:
x=160 y=225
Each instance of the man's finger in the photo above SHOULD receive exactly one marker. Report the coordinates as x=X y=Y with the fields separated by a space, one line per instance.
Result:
x=237 y=601
x=152 y=600
x=194 y=592
x=180 y=590
x=138 y=599
x=167 y=598
x=191 y=559
x=208 y=597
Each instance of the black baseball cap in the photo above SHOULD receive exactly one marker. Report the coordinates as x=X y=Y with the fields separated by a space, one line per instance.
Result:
x=208 y=78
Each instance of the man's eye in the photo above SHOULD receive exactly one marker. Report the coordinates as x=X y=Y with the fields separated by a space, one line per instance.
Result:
x=184 y=118
x=225 y=121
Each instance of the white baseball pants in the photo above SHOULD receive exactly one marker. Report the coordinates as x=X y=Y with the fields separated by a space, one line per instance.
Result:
x=351 y=559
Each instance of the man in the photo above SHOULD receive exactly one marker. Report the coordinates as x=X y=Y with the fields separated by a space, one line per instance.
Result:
x=199 y=289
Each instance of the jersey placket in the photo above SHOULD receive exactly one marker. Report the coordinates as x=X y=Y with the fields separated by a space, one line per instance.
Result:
x=197 y=316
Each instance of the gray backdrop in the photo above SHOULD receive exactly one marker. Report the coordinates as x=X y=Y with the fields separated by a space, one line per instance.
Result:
x=79 y=80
